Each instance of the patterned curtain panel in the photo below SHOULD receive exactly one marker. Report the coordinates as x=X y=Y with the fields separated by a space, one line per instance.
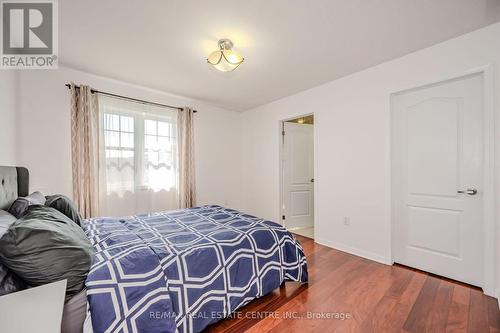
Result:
x=85 y=149
x=187 y=180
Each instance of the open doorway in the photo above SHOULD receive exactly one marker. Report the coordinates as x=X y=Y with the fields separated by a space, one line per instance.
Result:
x=297 y=175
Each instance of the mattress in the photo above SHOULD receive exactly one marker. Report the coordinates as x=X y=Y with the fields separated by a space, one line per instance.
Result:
x=184 y=270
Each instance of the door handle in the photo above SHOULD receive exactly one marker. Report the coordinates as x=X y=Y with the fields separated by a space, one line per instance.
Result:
x=312 y=180
x=469 y=191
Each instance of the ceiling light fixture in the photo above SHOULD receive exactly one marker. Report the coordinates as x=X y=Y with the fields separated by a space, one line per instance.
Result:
x=225 y=59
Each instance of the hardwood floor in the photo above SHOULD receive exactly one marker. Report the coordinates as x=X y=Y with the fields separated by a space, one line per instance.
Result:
x=374 y=297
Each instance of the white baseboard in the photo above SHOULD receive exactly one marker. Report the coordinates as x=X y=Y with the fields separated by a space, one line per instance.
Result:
x=355 y=251
x=297 y=228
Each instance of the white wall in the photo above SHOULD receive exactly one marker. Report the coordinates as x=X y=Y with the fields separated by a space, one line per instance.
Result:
x=8 y=107
x=44 y=132
x=352 y=119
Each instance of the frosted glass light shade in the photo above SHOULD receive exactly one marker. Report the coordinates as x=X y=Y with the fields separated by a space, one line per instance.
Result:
x=225 y=59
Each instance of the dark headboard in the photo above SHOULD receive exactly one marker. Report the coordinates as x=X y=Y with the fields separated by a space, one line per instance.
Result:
x=14 y=183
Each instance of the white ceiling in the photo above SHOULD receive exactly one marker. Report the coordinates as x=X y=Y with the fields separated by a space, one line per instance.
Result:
x=289 y=45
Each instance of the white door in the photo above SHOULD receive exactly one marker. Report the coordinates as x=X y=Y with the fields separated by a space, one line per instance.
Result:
x=437 y=178
x=298 y=175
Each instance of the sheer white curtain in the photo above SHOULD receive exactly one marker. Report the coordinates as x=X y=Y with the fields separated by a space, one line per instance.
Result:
x=138 y=169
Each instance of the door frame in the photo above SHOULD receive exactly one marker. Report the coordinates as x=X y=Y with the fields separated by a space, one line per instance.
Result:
x=280 y=158
x=489 y=223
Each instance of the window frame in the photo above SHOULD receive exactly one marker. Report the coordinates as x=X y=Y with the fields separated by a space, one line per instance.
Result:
x=139 y=117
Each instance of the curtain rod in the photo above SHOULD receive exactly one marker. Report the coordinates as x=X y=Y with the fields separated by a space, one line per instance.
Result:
x=94 y=91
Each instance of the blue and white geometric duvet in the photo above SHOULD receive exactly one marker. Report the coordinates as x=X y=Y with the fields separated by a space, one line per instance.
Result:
x=184 y=270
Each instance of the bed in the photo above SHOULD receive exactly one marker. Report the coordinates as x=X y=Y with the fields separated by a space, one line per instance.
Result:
x=182 y=270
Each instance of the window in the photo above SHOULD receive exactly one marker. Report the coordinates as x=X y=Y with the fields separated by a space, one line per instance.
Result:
x=139 y=148
x=120 y=152
x=159 y=153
